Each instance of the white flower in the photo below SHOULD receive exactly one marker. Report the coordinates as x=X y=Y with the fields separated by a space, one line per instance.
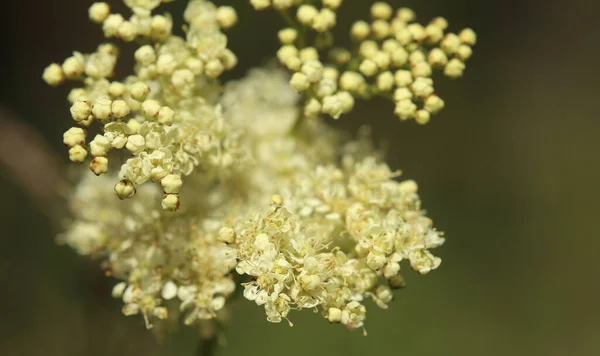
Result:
x=158 y=164
x=135 y=170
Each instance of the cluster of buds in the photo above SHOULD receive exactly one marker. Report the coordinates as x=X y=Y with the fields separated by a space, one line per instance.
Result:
x=148 y=115
x=394 y=57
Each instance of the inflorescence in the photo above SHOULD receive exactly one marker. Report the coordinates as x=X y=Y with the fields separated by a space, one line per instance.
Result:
x=273 y=198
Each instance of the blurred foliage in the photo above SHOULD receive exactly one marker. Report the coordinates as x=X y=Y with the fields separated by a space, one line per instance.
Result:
x=509 y=170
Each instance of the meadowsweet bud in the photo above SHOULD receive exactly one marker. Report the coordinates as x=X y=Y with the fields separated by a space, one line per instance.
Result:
x=376 y=260
x=332 y=105
x=293 y=64
x=360 y=31
x=53 y=75
x=74 y=66
x=382 y=59
x=87 y=121
x=309 y=54
x=134 y=125
x=170 y=202
x=166 y=64
x=98 y=12
x=416 y=57
x=282 y=4
x=397 y=282
x=228 y=59
x=422 y=117
x=312 y=108
x=74 y=136
x=331 y=73
x=399 y=57
x=434 y=104
x=390 y=45
x=385 y=81
x=391 y=269
x=111 y=25
x=368 y=68
x=226 y=17
x=139 y=91
x=136 y=144
x=102 y=108
x=416 y=31
x=306 y=14
x=75 y=94
x=468 y=37
x=346 y=100
x=161 y=27
x=118 y=289
x=334 y=315
x=454 y=68
x=214 y=68
x=332 y=4
x=408 y=187
x=405 y=109
x=422 y=87
x=100 y=146
x=77 y=153
x=368 y=49
x=450 y=43
x=384 y=293
x=166 y=115
x=405 y=14
x=124 y=189
x=195 y=65
x=313 y=70
x=286 y=52
x=381 y=29
x=150 y=109
x=287 y=36
x=440 y=22
x=326 y=87
x=120 y=109
x=351 y=81
x=127 y=31
x=171 y=183
x=422 y=69
x=381 y=11
x=299 y=82
x=169 y=290
x=260 y=4
x=464 y=52
x=80 y=110
x=437 y=57
x=116 y=89
x=145 y=55
x=100 y=65
x=403 y=78
x=402 y=93
x=99 y=165
x=324 y=20
x=227 y=235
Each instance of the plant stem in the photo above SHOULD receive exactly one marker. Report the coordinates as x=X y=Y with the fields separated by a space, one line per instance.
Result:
x=206 y=347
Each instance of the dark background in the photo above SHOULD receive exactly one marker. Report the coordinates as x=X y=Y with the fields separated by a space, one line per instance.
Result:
x=509 y=170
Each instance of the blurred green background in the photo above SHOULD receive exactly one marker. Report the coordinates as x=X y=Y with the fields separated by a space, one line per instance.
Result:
x=509 y=170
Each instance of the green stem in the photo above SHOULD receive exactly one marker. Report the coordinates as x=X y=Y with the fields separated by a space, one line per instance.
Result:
x=206 y=347
x=289 y=20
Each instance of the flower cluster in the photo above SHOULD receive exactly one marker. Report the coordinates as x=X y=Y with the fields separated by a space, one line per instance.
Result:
x=393 y=57
x=289 y=208
x=164 y=115
x=335 y=240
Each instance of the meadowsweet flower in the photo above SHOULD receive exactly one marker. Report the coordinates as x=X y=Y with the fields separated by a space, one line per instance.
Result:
x=244 y=181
